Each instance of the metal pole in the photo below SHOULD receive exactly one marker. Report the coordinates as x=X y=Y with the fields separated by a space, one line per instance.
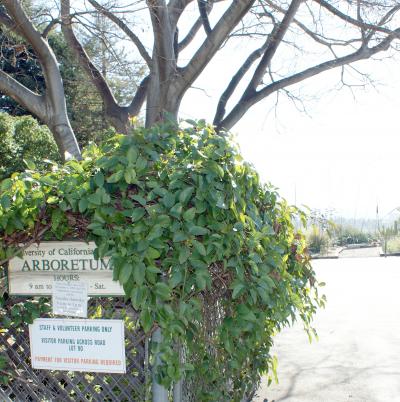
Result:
x=160 y=394
x=177 y=390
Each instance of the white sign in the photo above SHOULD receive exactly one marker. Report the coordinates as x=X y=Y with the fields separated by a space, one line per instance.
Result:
x=70 y=299
x=70 y=261
x=78 y=345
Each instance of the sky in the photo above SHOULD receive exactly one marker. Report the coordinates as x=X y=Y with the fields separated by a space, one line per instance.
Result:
x=341 y=154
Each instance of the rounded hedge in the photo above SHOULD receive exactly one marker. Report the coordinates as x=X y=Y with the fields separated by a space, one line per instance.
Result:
x=203 y=250
x=22 y=138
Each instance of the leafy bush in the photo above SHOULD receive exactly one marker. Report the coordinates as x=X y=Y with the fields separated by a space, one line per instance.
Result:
x=203 y=250
x=393 y=245
x=350 y=235
x=318 y=240
x=22 y=138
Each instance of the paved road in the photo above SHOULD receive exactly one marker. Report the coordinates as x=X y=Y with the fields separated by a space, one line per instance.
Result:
x=361 y=252
x=357 y=357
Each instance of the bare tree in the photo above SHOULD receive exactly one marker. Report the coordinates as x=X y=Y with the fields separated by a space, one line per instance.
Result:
x=51 y=106
x=341 y=33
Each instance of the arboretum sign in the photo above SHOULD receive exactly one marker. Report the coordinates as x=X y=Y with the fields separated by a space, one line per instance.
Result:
x=42 y=265
x=78 y=345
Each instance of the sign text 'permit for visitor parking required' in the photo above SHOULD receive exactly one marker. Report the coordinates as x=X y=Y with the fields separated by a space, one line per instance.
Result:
x=78 y=345
x=48 y=262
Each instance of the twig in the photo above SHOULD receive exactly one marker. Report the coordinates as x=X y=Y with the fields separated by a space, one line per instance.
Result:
x=146 y=335
x=30 y=383
x=34 y=240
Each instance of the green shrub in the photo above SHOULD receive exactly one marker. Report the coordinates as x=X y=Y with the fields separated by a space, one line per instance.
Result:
x=393 y=245
x=22 y=138
x=318 y=241
x=349 y=235
x=203 y=250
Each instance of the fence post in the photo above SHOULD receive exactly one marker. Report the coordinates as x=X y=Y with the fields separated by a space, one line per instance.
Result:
x=160 y=394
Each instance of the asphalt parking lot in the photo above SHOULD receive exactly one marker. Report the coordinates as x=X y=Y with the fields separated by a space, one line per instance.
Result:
x=357 y=357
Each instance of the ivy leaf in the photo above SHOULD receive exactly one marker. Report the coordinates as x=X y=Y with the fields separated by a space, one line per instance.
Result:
x=131 y=155
x=137 y=214
x=5 y=201
x=152 y=253
x=152 y=269
x=201 y=278
x=136 y=297
x=168 y=200
x=176 y=210
x=125 y=273
x=184 y=254
x=99 y=179
x=6 y=185
x=139 y=199
x=83 y=204
x=179 y=236
x=142 y=245
x=94 y=198
x=237 y=290
x=155 y=233
x=56 y=218
x=199 y=247
x=129 y=175
x=48 y=180
x=141 y=163
x=115 y=177
x=198 y=231
x=185 y=195
x=176 y=278
x=139 y=272
x=30 y=164
x=146 y=320
x=216 y=168
x=163 y=291
x=164 y=221
x=189 y=215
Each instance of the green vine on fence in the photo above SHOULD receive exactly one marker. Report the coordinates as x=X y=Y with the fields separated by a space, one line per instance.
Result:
x=190 y=230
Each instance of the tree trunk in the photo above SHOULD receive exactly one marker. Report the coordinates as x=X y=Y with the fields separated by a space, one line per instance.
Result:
x=162 y=101
x=65 y=139
x=118 y=117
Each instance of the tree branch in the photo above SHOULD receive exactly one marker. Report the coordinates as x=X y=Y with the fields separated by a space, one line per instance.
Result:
x=92 y=71
x=139 y=98
x=50 y=26
x=163 y=38
x=355 y=22
x=190 y=35
x=321 y=39
x=8 y=22
x=363 y=53
x=25 y=28
x=194 y=29
x=274 y=40
x=220 y=113
x=29 y=100
x=39 y=45
x=202 y=4
x=232 y=16
x=128 y=32
x=175 y=10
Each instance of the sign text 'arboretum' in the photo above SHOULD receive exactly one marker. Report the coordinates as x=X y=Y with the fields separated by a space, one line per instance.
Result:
x=49 y=262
